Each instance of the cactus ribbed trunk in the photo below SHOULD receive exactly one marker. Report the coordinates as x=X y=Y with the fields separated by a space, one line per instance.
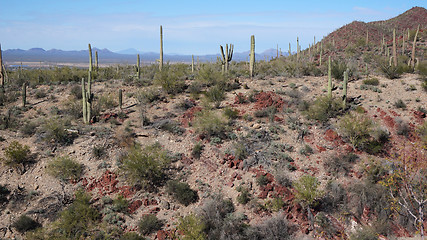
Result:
x=394 y=48
x=96 y=61
x=138 y=67
x=403 y=44
x=321 y=52
x=84 y=101
x=161 y=49
x=1 y=70
x=252 y=57
x=297 y=49
x=290 y=53
x=412 y=62
x=329 y=78
x=24 y=94
x=226 y=58
x=277 y=51
x=367 y=36
x=192 y=63
x=344 y=95
x=120 y=99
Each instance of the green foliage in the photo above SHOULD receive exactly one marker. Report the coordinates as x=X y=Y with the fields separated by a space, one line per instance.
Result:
x=338 y=68
x=362 y=132
x=209 y=75
x=192 y=227
x=339 y=164
x=324 y=108
x=364 y=233
x=210 y=123
x=120 y=204
x=107 y=101
x=275 y=204
x=25 y=223
x=244 y=196
x=98 y=152
x=65 y=168
x=197 y=150
x=17 y=156
x=149 y=224
x=3 y=193
x=262 y=180
x=422 y=132
x=181 y=192
x=307 y=190
x=231 y=113
x=371 y=81
x=54 y=132
x=131 y=236
x=145 y=166
x=147 y=95
x=274 y=228
x=171 y=79
x=76 y=91
x=78 y=218
x=306 y=150
x=400 y=104
x=29 y=128
x=215 y=94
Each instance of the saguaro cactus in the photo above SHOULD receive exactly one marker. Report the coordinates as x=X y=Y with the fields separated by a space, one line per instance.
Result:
x=226 y=58
x=344 y=87
x=403 y=44
x=161 y=49
x=297 y=49
x=252 y=57
x=138 y=67
x=412 y=61
x=1 y=70
x=289 y=52
x=87 y=96
x=192 y=63
x=96 y=61
x=24 y=94
x=394 y=48
x=120 y=99
x=329 y=78
x=321 y=52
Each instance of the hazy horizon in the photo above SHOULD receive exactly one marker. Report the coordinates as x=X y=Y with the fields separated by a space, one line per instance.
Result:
x=189 y=27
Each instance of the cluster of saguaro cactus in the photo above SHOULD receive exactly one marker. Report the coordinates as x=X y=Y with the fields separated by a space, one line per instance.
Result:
x=226 y=58
x=161 y=49
x=138 y=67
x=252 y=57
x=87 y=95
x=1 y=70
x=412 y=60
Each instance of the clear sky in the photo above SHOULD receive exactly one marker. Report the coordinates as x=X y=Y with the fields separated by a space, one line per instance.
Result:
x=189 y=27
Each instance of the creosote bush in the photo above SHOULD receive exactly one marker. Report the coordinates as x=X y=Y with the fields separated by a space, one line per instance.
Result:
x=210 y=123
x=4 y=192
x=54 y=132
x=324 y=108
x=149 y=224
x=192 y=227
x=307 y=190
x=181 y=192
x=146 y=166
x=65 y=168
x=25 y=223
x=17 y=156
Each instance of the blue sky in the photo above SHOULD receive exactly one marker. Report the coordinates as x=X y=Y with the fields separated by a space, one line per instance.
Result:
x=189 y=27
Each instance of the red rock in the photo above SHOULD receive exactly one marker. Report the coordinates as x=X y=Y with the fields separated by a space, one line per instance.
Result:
x=133 y=206
x=234 y=175
x=239 y=177
x=263 y=194
x=331 y=135
x=320 y=149
x=161 y=235
x=269 y=177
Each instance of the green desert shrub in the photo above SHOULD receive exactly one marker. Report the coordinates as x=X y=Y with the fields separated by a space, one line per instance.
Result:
x=4 y=192
x=192 y=227
x=338 y=67
x=120 y=204
x=215 y=95
x=146 y=166
x=149 y=224
x=17 y=156
x=362 y=132
x=78 y=218
x=274 y=228
x=181 y=192
x=148 y=95
x=54 y=131
x=324 y=108
x=210 y=123
x=65 y=168
x=336 y=165
x=371 y=81
x=197 y=150
x=244 y=196
x=400 y=104
x=25 y=223
x=170 y=79
x=307 y=191
x=131 y=236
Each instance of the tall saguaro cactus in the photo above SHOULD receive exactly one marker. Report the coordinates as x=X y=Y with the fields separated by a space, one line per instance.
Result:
x=138 y=67
x=161 y=49
x=329 y=78
x=394 y=48
x=1 y=70
x=412 y=61
x=297 y=49
x=96 y=61
x=192 y=63
x=344 y=87
x=289 y=52
x=252 y=57
x=24 y=94
x=87 y=95
x=226 y=58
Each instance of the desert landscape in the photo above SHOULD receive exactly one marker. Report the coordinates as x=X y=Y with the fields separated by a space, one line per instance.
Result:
x=326 y=142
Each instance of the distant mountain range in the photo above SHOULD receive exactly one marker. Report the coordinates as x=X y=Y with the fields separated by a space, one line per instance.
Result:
x=106 y=56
